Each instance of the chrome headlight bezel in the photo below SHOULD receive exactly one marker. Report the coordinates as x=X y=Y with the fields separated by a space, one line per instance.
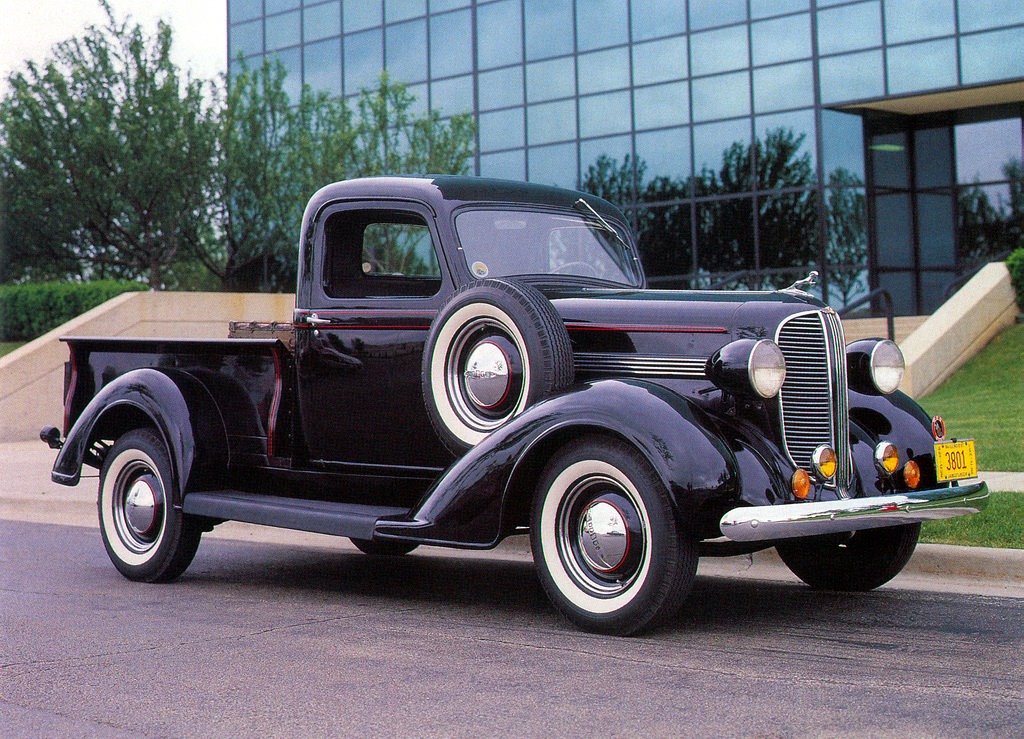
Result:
x=750 y=367
x=875 y=366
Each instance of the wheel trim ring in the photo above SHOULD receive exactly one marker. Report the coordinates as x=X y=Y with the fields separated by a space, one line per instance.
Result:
x=112 y=495
x=441 y=361
x=559 y=560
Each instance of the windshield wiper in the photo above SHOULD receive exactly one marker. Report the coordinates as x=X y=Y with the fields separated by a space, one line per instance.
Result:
x=607 y=226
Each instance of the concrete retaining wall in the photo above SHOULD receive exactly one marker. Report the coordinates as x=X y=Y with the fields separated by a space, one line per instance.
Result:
x=32 y=377
x=959 y=329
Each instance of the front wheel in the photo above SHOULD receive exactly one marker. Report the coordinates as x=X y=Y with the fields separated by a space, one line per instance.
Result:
x=863 y=560
x=146 y=537
x=607 y=547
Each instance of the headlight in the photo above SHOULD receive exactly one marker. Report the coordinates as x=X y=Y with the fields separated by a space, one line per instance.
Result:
x=748 y=367
x=875 y=366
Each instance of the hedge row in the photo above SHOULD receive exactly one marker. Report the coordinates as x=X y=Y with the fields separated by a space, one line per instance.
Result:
x=30 y=310
x=1015 y=263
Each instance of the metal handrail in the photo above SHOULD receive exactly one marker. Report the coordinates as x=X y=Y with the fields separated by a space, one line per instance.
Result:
x=890 y=312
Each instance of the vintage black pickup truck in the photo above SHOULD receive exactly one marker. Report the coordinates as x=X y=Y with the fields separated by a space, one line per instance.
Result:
x=471 y=359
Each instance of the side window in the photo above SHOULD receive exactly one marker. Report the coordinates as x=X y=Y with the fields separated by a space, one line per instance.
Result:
x=379 y=253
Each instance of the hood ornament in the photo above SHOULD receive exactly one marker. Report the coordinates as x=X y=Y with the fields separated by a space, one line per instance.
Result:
x=806 y=282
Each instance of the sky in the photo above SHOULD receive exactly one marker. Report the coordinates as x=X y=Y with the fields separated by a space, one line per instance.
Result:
x=29 y=28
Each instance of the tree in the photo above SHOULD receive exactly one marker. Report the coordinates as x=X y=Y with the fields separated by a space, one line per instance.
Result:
x=847 y=249
x=105 y=154
x=271 y=156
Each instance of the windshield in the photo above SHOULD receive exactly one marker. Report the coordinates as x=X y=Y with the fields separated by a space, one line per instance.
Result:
x=506 y=243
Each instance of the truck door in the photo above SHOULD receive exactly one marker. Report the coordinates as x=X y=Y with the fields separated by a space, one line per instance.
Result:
x=378 y=281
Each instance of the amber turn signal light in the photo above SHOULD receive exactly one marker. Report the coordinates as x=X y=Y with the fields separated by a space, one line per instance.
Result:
x=801 y=484
x=887 y=457
x=912 y=474
x=825 y=462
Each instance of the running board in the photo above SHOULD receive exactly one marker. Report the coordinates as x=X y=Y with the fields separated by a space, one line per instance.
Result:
x=321 y=517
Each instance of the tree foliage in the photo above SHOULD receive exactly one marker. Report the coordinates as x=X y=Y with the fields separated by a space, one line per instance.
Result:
x=105 y=153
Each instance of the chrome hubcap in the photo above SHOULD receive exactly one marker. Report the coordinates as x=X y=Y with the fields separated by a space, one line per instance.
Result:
x=140 y=508
x=487 y=375
x=603 y=536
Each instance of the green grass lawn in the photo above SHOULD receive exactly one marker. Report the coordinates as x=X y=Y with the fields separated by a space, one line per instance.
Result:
x=999 y=525
x=985 y=400
x=6 y=347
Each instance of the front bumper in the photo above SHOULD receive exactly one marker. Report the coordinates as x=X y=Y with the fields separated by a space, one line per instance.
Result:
x=766 y=523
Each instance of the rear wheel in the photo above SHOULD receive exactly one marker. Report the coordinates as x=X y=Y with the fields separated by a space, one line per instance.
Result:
x=862 y=560
x=146 y=537
x=607 y=547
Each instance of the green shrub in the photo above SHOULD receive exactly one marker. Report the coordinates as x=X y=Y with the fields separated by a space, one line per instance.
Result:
x=32 y=309
x=1015 y=263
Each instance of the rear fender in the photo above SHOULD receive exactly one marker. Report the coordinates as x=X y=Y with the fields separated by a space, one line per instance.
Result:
x=173 y=403
x=487 y=493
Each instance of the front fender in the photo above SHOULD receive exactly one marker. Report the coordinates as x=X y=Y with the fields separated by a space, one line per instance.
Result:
x=896 y=418
x=470 y=503
x=174 y=403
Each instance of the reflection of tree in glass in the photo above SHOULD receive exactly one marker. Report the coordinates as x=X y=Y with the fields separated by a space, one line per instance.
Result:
x=399 y=249
x=990 y=228
x=847 y=251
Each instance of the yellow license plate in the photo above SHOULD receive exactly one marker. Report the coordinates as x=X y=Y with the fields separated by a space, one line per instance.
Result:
x=955 y=460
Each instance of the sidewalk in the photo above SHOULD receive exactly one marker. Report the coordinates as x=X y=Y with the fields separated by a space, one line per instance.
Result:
x=27 y=494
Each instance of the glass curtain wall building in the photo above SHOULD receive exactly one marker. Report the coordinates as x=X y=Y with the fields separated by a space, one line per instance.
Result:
x=877 y=141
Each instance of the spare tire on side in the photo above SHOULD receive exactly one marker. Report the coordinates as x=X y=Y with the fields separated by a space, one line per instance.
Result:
x=495 y=348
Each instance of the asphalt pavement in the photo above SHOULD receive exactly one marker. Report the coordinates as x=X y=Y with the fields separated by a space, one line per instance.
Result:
x=27 y=494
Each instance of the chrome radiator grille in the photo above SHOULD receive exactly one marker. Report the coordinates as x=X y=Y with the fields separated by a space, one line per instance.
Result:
x=813 y=403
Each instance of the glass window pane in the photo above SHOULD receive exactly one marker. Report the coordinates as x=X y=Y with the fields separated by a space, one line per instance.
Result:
x=984 y=212
x=601 y=23
x=662 y=105
x=935 y=228
x=933 y=158
x=784 y=86
x=451 y=48
x=851 y=77
x=363 y=59
x=890 y=160
x=420 y=95
x=618 y=151
x=992 y=56
x=983 y=150
x=502 y=129
x=500 y=88
x=711 y=141
x=322 y=63
x=362 y=14
x=781 y=40
x=933 y=289
x=499 y=34
x=449 y=97
x=725 y=235
x=401 y=10
x=903 y=289
x=554 y=165
x=653 y=18
x=660 y=61
x=548 y=28
x=923 y=66
x=551 y=122
x=279 y=6
x=506 y=165
x=847 y=250
x=406 y=45
x=292 y=61
x=437 y=6
x=550 y=80
x=604 y=70
x=910 y=20
x=719 y=51
x=798 y=144
x=893 y=230
x=766 y=8
x=247 y=39
x=787 y=235
x=284 y=30
x=601 y=115
x=709 y=13
x=665 y=154
x=244 y=10
x=725 y=96
x=849 y=27
x=321 y=21
x=842 y=144
x=976 y=15
x=665 y=237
